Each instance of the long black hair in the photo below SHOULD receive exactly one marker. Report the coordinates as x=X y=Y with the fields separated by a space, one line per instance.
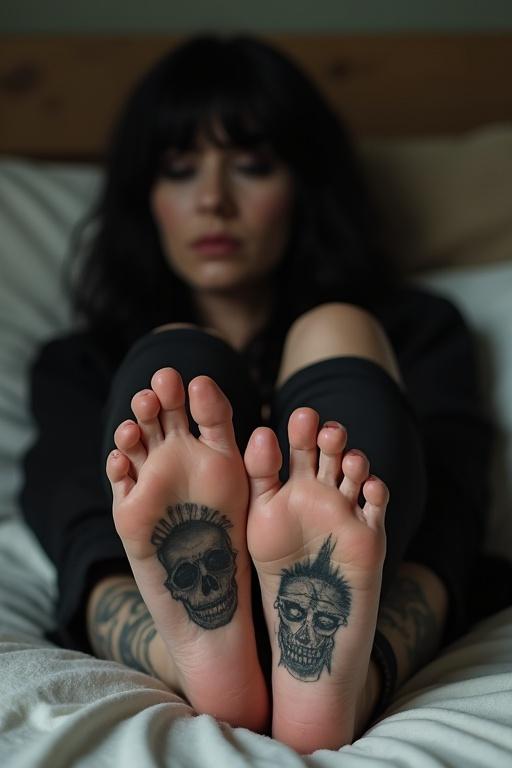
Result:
x=125 y=286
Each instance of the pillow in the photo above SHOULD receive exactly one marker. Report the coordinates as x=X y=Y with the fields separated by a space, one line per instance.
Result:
x=41 y=202
x=444 y=201
x=484 y=296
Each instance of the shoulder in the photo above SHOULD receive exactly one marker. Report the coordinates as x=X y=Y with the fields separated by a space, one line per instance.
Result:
x=430 y=337
x=409 y=302
x=416 y=316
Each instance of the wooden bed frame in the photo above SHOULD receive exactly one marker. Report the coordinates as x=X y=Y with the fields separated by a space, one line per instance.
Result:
x=59 y=95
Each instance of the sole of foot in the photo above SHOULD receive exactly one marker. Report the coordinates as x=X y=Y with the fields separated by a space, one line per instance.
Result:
x=319 y=558
x=180 y=508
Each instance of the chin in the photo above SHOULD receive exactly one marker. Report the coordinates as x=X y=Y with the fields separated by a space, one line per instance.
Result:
x=223 y=284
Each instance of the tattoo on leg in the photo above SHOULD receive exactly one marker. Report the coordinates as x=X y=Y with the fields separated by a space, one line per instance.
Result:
x=406 y=610
x=196 y=551
x=313 y=600
x=124 y=628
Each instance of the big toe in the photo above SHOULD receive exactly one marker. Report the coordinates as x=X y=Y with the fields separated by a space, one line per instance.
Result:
x=213 y=414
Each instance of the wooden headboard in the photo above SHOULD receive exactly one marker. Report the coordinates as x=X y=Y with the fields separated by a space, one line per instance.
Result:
x=59 y=95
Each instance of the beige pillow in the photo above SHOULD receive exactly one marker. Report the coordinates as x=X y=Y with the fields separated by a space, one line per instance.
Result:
x=445 y=201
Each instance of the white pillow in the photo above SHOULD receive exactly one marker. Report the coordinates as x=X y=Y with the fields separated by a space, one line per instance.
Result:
x=444 y=200
x=39 y=205
x=484 y=295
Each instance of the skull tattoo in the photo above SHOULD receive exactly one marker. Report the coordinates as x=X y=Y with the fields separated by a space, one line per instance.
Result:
x=313 y=601
x=195 y=549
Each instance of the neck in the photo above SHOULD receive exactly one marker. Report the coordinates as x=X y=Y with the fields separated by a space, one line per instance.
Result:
x=238 y=317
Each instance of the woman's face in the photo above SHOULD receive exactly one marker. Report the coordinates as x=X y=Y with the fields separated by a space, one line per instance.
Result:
x=237 y=202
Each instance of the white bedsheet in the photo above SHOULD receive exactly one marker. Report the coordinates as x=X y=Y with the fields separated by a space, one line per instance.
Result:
x=60 y=708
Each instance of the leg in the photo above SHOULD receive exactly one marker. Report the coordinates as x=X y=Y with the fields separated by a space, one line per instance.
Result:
x=319 y=555
x=333 y=330
x=414 y=601
x=338 y=360
x=180 y=506
x=319 y=370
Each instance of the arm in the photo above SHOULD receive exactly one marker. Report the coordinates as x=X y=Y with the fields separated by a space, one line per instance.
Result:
x=412 y=617
x=442 y=378
x=427 y=604
x=64 y=498
x=437 y=358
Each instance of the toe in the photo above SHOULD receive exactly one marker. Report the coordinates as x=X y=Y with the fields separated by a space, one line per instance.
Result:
x=213 y=414
x=146 y=408
x=127 y=438
x=355 y=468
x=302 y=433
x=376 y=495
x=118 y=466
x=168 y=386
x=331 y=440
x=263 y=461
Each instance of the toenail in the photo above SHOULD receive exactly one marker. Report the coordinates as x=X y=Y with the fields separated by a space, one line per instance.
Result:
x=333 y=425
x=260 y=439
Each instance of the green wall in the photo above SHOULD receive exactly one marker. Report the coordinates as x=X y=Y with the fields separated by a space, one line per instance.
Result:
x=168 y=16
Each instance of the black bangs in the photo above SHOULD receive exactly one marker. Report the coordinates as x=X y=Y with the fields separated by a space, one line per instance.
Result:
x=216 y=89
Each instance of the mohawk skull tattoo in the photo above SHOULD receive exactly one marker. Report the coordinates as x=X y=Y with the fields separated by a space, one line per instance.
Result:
x=313 y=601
x=195 y=549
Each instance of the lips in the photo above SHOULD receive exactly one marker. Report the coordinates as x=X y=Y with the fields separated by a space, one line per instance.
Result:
x=216 y=244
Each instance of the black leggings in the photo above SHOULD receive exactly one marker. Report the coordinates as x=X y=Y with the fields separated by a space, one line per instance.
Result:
x=353 y=390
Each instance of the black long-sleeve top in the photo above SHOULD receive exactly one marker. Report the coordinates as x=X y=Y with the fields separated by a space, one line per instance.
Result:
x=66 y=500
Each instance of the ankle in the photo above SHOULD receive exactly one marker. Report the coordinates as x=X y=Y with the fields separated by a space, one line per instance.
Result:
x=95 y=619
x=120 y=628
x=412 y=618
x=370 y=697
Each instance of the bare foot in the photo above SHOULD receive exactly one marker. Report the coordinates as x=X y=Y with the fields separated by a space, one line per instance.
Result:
x=180 y=508
x=319 y=560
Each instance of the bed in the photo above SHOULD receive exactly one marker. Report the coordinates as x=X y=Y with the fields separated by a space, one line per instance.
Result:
x=432 y=116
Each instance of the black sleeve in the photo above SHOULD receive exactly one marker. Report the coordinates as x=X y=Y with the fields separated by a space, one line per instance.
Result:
x=65 y=498
x=439 y=365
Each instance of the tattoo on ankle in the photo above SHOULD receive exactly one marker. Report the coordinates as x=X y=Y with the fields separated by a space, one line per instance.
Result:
x=124 y=627
x=314 y=599
x=196 y=551
x=406 y=610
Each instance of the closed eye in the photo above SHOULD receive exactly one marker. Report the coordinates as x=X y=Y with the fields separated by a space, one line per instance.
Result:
x=326 y=621
x=292 y=611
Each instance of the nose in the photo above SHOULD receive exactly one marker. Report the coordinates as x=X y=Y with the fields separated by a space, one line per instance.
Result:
x=305 y=634
x=209 y=584
x=214 y=193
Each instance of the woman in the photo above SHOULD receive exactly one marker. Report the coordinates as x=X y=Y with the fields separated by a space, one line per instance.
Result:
x=234 y=287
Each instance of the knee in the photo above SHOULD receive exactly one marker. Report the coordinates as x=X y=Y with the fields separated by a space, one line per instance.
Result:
x=335 y=318
x=338 y=329
x=172 y=326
